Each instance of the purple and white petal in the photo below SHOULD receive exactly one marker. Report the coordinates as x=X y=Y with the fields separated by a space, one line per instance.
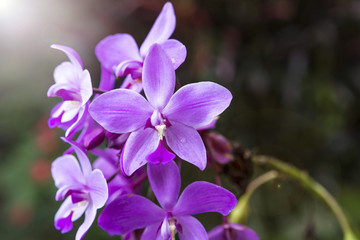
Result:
x=191 y=229
x=115 y=49
x=66 y=76
x=175 y=50
x=129 y=212
x=186 y=142
x=85 y=86
x=83 y=158
x=165 y=232
x=162 y=29
x=120 y=110
x=158 y=77
x=201 y=197
x=66 y=171
x=165 y=182
x=90 y=215
x=98 y=188
x=197 y=104
x=71 y=53
x=67 y=212
x=62 y=220
x=78 y=123
x=138 y=146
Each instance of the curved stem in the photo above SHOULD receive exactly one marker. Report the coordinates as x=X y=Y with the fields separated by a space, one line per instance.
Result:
x=311 y=185
x=240 y=209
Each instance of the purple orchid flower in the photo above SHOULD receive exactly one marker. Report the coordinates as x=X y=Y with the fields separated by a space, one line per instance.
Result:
x=73 y=85
x=165 y=120
x=232 y=231
x=130 y=212
x=85 y=190
x=120 y=55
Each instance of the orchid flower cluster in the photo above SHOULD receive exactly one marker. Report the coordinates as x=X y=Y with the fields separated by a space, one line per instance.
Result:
x=137 y=139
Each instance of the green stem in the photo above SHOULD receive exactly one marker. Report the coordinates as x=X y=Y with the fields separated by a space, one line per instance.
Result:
x=312 y=186
x=239 y=212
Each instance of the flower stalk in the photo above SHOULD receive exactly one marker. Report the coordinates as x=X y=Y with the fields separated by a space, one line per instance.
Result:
x=304 y=179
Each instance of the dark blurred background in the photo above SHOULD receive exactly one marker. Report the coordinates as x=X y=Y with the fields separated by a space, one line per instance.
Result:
x=293 y=67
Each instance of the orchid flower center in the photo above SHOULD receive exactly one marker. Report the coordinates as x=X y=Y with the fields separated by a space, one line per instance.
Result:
x=159 y=122
x=172 y=227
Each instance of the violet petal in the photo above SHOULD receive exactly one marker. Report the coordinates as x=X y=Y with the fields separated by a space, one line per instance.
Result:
x=132 y=84
x=186 y=142
x=151 y=232
x=162 y=29
x=66 y=171
x=160 y=155
x=165 y=182
x=71 y=54
x=129 y=212
x=138 y=146
x=120 y=110
x=233 y=230
x=175 y=50
x=201 y=197
x=90 y=215
x=158 y=77
x=98 y=188
x=191 y=229
x=116 y=48
x=197 y=104
x=107 y=79
x=83 y=158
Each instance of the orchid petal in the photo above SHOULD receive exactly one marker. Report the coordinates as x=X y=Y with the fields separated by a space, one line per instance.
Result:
x=165 y=232
x=186 y=142
x=235 y=231
x=165 y=182
x=98 y=188
x=201 y=197
x=158 y=77
x=83 y=158
x=152 y=232
x=63 y=216
x=66 y=171
x=90 y=215
x=138 y=146
x=107 y=79
x=120 y=110
x=65 y=210
x=132 y=84
x=85 y=85
x=65 y=74
x=129 y=212
x=175 y=50
x=197 y=104
x=71 y=54
x=71 y=110
x=160 y=155
x=162 y=29
x=191 y=229
x=115 y=49
x=132 y=67
x=78 y=124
